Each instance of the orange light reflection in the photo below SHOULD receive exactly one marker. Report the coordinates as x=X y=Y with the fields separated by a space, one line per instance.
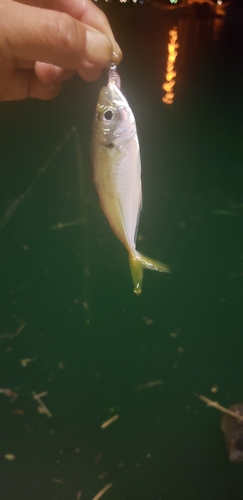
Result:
x=170 y=77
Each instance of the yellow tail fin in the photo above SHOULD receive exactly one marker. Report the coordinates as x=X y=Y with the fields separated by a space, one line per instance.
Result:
x=140 y=262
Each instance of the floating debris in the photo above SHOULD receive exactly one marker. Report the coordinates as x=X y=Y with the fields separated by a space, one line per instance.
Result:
x=173 y=335
x=109 y=422
x=97 y=458
x=214 y=389
x=216 y=405
x=103 y=475
x=9 y=394
x=41 y=408
x=24 y=362
x=62 y=453
x=62 y=225
x=10 y=457
x=232 y=429
x=148 y=321
x=19 y=411
x=227 y=213
x=15 y=334
x=149 y=385
x=102 y=492
x=57 y=481
x=40 y=395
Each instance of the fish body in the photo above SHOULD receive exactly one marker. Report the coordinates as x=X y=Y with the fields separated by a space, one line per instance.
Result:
x=117 y=173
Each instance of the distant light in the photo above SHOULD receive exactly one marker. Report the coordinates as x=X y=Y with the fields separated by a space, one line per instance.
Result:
x=219 y=2
x=173 y=1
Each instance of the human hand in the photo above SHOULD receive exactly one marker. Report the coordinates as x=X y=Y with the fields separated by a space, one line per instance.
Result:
x=44 y=42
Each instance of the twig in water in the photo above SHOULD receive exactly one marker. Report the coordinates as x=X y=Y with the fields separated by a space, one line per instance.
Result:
x=102 y=492
x=15 y=334
x=216 y=405
x=41 y=407
x=109 y=422
x=148 y=385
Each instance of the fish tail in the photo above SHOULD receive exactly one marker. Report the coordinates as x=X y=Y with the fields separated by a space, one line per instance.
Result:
x=138 y=263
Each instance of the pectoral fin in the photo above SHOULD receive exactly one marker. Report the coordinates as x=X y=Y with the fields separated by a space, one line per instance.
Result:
x=140 y=262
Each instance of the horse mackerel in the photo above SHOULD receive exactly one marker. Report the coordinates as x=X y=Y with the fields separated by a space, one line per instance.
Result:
x=117 y=173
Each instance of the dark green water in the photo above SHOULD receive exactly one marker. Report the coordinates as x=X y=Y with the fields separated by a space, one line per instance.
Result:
x=91 y=341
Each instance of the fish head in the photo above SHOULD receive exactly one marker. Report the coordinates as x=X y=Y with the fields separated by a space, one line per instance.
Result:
x=114 y=120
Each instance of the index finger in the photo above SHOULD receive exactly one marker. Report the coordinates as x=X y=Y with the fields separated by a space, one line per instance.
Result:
x=51 y=37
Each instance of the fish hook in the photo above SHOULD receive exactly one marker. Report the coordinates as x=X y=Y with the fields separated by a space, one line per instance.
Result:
x=113 y=76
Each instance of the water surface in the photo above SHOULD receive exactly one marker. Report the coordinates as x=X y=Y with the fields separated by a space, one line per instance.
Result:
x=92 y=343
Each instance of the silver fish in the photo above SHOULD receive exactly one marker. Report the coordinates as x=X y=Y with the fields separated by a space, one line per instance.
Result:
x=117 y=173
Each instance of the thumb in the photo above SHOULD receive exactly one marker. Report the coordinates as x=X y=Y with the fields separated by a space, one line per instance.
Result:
x=34 y=34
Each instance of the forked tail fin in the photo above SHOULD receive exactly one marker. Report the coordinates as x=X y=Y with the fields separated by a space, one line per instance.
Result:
x=140 y=262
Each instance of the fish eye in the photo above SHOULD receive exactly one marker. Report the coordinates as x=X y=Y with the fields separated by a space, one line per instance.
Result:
x=108 y=115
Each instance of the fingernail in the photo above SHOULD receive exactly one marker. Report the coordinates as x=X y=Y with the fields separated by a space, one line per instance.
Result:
x=98 y=48
x=116 y=54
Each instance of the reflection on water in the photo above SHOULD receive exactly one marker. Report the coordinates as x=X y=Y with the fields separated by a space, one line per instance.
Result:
x=191 y=42
x=170 y=76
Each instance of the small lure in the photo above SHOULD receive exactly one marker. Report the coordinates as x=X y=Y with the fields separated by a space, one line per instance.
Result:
x=117 y=173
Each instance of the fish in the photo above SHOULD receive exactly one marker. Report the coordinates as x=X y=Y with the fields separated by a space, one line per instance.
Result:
x=117 y=173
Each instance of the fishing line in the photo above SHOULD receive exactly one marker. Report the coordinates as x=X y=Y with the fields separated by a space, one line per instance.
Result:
x=84 y=223
x=15 y=204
